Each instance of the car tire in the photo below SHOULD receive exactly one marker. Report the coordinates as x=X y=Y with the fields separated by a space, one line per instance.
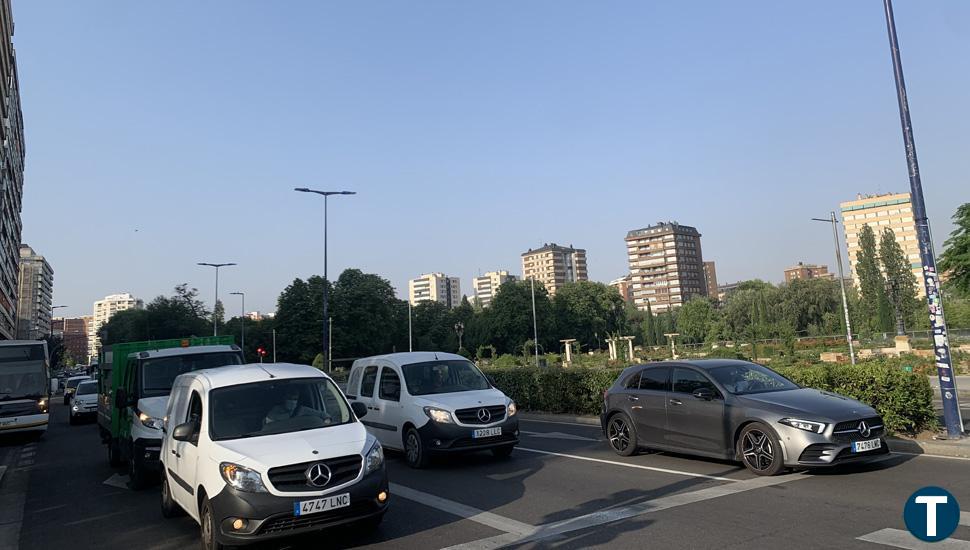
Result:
x=504 y=451
x=170 y=508
x=207 y=527
x=414 y=452
x=759 y=450
x=621 y=434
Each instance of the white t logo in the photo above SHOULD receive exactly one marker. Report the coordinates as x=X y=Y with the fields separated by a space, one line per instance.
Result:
x=931 y=503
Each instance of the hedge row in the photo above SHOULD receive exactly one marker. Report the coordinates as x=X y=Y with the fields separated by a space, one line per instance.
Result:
x=903 y=399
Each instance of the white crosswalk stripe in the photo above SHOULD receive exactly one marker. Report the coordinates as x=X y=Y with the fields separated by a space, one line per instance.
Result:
x=899 y=538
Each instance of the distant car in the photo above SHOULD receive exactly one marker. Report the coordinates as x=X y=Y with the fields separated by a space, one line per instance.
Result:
x=257 y=452
x=84 y=403
x=737 y=410
x=426 y=403
x=70 y=385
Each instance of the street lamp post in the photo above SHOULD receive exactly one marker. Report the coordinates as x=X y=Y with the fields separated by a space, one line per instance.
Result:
x=326 y=281
x=838 y=260
x=215 y=320
x=52 y=318
x=459 y=330
x=535 y=322
x=242 y=322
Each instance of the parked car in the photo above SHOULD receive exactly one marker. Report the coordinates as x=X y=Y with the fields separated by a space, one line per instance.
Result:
x=70 y=385
x=424 y=403
x=737 y=410
x=256 y=452
x=84 y=403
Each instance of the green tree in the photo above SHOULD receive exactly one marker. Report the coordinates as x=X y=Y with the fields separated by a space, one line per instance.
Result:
x=584 y=310
x=874 y=303
x=694 y=320
x=955 y=260
x=366 y=316
x=219 y=313
x=900 y=281
x=178 y=316
x=299 y=321
x=510 y=317
x=649 y=328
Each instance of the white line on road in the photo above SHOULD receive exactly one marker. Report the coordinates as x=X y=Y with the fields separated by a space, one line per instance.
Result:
x=904 y=539
x=594 y=426
x=95 y=518
x=964 y=518
x=494 y=521
x=558 y=435
x=627 y=465
x=117 y=480
x=624 y=512
x=924 y=455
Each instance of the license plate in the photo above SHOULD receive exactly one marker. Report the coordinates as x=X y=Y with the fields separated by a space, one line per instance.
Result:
x=869 y=445
x=8 y=422
x=324 y=504
x=487 y=432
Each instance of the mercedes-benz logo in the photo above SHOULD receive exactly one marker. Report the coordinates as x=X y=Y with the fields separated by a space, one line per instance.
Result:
x=864 y=429
x=484 y=416
x=318 y=475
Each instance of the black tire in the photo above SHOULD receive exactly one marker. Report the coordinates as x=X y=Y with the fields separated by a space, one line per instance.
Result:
x=207 y=527
x=621 y=435
x=114 y=457
x=414 y=452
x=137 y=476
x=170 y=508
x=504 y=451
x=759 y=450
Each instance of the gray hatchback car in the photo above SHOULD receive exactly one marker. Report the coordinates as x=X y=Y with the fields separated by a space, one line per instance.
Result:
x=737 y=410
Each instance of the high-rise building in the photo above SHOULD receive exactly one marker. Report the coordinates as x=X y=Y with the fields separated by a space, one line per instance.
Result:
x=487 y=285
x=807 y=271
x=624 y=285
x=11 y=175
x=666 y=265
x=554 y=266
x=73 y=332
x=435 y=287
x=710 y=280
x=103 y=311
x=34 y=295
x=892 y=210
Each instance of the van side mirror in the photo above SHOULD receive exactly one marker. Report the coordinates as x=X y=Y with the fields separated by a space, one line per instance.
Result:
x=184 y=431
x=359 y=409
x=704 y=393
x=121 y=398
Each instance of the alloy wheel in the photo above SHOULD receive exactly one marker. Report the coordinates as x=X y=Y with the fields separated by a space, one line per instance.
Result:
x=619 y=434
x=412 y=448
x=757 y=450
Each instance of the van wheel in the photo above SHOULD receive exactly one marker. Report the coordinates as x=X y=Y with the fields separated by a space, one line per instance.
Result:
x=114 y=458
x=137 y=477
x=169 y=508
x=208 y=527
x=502 y=452
x=414 y=451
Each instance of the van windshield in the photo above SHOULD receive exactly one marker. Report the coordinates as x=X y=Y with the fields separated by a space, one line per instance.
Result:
x=158 y=374
x=443 y=377
x=87 y=387
x=276 y=407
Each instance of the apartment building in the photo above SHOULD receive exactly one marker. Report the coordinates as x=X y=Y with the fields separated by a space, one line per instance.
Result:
x=666 y=265
x=554 y=266
x=103 y=311
x=11 y=175
x=807 y=271
x=435 y=287
x=892 y=210
x=624 y=285
x=35 y=294
x=486 y=285
x=710 y=279
x=73 y=332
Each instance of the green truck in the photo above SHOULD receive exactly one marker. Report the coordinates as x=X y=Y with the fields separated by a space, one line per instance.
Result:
x=135 y=379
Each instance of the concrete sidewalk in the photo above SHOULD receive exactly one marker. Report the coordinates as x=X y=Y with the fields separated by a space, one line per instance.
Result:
x=948 y=448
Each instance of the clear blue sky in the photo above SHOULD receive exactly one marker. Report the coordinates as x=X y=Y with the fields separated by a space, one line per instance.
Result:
x=471 y=131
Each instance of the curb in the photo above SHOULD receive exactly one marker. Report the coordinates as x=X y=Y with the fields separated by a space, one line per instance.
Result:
x=952 y=449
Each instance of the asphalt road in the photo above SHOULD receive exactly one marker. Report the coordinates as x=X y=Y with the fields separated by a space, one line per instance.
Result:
x=562 y=488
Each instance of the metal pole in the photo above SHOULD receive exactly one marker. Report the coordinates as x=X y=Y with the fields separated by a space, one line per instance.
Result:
x=845 y=302
x=410 y=347
x=242 y=321
x=330 y=345
x=535 y=324
x=274 y=345
x=326 y=291
x=941 y=344
x=215 y=306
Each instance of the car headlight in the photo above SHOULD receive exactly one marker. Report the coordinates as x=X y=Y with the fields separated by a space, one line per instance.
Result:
x=512 y=408
x=374 y=457
x=438 y=415
x=242 y=478
x=807 y=425
x=150 y=421
x=75 y=408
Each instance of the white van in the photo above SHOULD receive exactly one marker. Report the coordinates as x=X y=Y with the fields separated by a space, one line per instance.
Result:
x=423 y=403
x=255 y=452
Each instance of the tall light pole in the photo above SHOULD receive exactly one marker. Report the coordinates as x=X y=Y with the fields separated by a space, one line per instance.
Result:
x=941 y=343
x=459 y=330
x=326 y=282
x=242 y=322
x=845 y=302
x=215 y=320
x=52 y=319
x=535 y=323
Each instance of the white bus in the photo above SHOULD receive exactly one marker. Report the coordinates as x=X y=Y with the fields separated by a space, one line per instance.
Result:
x=24 y=386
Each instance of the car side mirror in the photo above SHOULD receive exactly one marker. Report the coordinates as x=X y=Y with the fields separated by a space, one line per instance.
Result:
x=184 y=431
x=121 y=398
x=704 y=393
x=359 y=409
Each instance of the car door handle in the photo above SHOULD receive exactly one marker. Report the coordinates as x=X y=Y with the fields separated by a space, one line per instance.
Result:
x=633 y=398
x=676 y=402
x=174 y=452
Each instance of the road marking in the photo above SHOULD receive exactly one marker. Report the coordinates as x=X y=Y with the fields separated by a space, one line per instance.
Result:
x=964 y=518
x=596 y=426
x=628 y=465
x=558 y=435
x=117 y=480
x=904 y=539
x=95 y=518
x=494 y=521
x=3 y=470
x=924 y=455
x=48 y=509
x=625 y=512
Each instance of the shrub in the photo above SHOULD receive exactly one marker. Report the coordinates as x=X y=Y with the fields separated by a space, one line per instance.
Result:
x=555 y=390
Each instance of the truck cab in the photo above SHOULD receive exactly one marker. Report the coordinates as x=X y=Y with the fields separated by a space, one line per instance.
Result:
x=132 y=407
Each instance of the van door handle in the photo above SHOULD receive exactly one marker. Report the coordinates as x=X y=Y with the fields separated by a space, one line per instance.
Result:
x=176 y=454
x=676 y=402
x=633 y=398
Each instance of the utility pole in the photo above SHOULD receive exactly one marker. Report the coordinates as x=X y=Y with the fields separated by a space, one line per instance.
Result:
x=215 y=320
x=242 y=322
x=845 y=302
x=535 y=323
x=941 y=344
x=274 y=345
x=410 y=347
